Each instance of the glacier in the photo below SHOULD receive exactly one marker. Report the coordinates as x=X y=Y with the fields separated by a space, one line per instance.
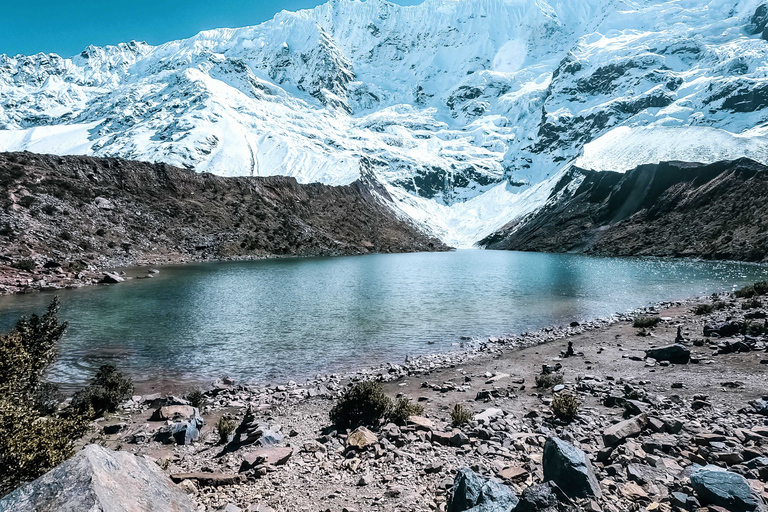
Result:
x=467 y=111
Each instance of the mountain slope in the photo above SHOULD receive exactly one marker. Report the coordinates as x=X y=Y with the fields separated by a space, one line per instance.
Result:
x=71 y=214
x=715 y=211
x=447 y=102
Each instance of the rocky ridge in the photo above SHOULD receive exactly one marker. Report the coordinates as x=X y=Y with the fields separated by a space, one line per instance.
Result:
x=64 y=219
x=670 y=209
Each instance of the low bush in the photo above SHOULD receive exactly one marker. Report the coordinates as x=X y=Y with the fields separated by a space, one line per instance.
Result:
x=646 y=321
x=27 y=265
x=756 y=289
x=196 y=399
x=460 y=415
x=225 y=426
x=565 y=407
x=107 y=390
x=549 y=380
x=401 y=408
x=364 y=403
x=752 y=304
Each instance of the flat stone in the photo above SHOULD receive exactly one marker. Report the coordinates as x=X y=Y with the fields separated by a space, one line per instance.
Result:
x=172 y=412
x=487 y=415
x=617 y=433
x=421 y=423
x=513 y=473
x=97 y=478
x=675 y=353
x=274 y=455
x=208 y=479
x=497 y=378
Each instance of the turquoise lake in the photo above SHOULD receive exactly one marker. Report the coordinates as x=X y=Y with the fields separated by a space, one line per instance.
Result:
x=281 y=319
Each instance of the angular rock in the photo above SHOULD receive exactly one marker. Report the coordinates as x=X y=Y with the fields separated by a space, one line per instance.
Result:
x=568 y=467
x=100 y=479
x=472 y=493
x=716 y=486
x=545 y=497
x=676 y=354
x=111 y=278
x=421 y=423
x=361 y=438
x=619 y=432
x=273 y=455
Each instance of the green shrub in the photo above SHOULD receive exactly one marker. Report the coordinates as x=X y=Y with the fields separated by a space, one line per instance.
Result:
x=32 y=439
x=703 y=309
x=460 y=415
x=196 y=399
x=362 y=404
x=565 y=407
x=757 y=289
x=549 y=380
x=225 y=427
x=107 y=390
x=752 y=304
x=646 y=321
x=401 y=409
x=27 y=265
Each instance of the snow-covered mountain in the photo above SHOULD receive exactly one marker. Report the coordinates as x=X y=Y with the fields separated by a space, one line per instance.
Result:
x=465 y=109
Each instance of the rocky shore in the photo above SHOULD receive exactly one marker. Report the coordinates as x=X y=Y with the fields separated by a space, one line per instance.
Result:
x=673 y=416
x=65 y=219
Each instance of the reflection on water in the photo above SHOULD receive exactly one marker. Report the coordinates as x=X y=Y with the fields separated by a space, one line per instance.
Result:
x=293 y=318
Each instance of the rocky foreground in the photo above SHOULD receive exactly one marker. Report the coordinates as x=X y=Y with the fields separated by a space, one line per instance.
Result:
x=670 y=209
x=673 y=417
x=63 y=219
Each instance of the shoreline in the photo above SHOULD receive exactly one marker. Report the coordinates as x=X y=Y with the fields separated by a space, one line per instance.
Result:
x=412 y=468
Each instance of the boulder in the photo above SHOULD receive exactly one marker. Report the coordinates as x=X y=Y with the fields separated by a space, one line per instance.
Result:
x=97 y=478
x=619 y=432
x=724 y=329
x=676 y=354
x=361 y=438
x=472 y=493
x=568 y=467
x=716 y=486
x=111 y=278
x=182 y=432
x=545 y=497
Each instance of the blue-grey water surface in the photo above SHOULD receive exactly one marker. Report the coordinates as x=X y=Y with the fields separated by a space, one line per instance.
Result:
x=275 y=320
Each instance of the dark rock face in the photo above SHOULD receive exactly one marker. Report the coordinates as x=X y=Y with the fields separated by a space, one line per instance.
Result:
x=716 y=486
x=88 y=213
x=99 y=479
x=568 y=467
x=676 y=354
x=759 y=21
x=545 y=497
x=671 y=209
x=472 y=493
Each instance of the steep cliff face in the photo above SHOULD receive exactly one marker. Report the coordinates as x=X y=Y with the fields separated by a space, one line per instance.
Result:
x=716 y=211
x=69 y=214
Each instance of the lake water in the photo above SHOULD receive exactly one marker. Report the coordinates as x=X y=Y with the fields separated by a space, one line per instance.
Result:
x=275 y=320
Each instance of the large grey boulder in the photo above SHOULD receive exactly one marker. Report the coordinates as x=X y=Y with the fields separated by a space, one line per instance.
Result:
x=676 y=354
x=568 y=467
x=716 y=486
x=473 y=493
x=100 y=480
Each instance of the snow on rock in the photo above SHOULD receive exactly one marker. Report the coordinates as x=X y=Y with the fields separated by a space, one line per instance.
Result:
x=464 y=108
